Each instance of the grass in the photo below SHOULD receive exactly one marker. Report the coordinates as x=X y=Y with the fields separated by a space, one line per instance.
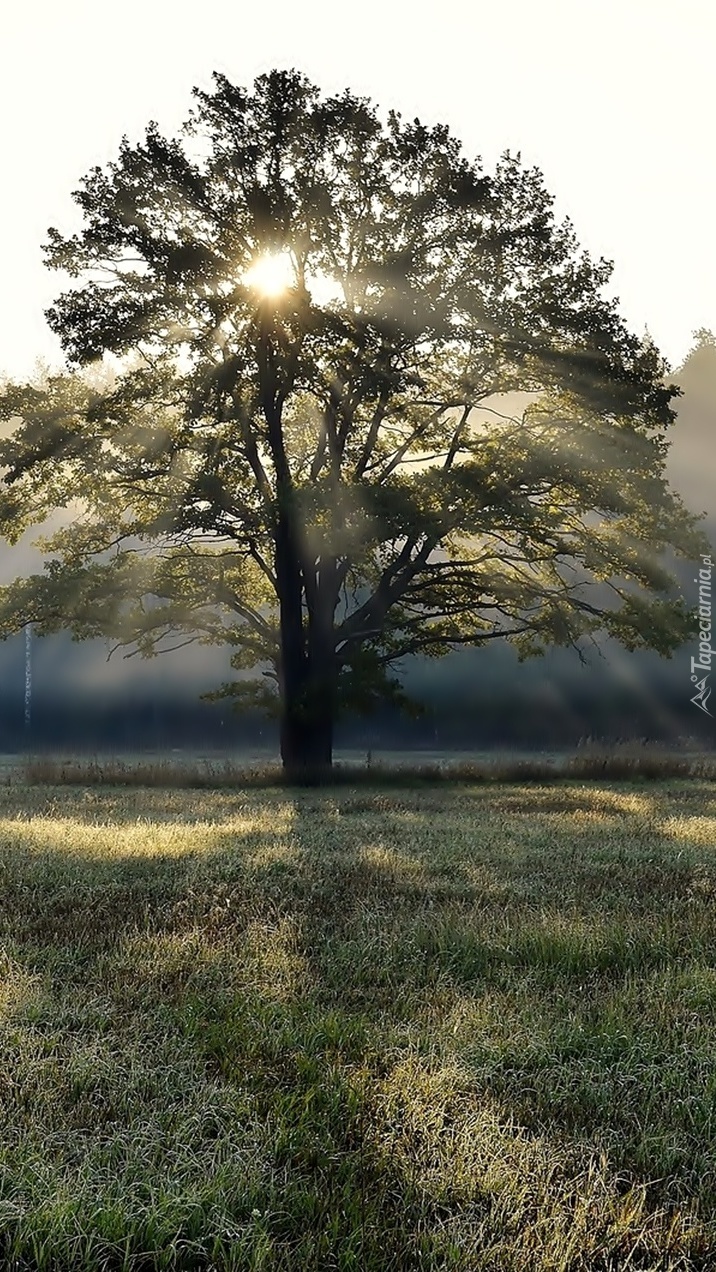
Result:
x=625 y=761
x=468 y=1027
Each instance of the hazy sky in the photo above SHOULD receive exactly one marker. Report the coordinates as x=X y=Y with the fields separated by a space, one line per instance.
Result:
x=613 y=100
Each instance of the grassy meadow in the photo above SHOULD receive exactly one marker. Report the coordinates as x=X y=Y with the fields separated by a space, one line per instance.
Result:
x=460 y=1027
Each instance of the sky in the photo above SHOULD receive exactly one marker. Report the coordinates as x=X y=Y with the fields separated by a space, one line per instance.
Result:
x=614 y=101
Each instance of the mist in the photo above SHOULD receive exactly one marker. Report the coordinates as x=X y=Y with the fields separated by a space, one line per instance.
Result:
x=473 y=697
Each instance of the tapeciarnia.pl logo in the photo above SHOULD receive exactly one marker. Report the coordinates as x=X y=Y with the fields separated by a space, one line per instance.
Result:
x=703 y=662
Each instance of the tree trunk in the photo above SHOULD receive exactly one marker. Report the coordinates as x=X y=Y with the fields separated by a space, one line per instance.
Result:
x=307 y=674
x=309 y=711
x=306 y=745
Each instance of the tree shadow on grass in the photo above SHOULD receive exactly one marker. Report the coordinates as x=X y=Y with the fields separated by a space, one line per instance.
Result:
x=384 y=1004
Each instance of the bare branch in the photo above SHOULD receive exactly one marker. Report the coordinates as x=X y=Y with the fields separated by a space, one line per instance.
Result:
x=372 y=436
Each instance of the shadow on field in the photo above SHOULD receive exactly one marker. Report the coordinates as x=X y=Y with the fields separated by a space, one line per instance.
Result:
x=332 y=861
x=336 y=954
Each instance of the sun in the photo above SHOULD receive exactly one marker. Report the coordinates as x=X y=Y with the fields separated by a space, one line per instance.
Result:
x=274 y=273
x=271 y=274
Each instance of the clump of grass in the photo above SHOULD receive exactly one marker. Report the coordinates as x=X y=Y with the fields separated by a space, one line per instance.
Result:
x=620 y=765
x=164 y=773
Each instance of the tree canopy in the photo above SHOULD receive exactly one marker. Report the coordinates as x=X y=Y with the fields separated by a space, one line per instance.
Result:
x=301 y=446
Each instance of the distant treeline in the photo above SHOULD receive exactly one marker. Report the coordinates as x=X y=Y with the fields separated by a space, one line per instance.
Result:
x=526 y=721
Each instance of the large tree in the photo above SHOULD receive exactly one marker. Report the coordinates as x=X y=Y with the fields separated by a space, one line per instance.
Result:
x=299 y=447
